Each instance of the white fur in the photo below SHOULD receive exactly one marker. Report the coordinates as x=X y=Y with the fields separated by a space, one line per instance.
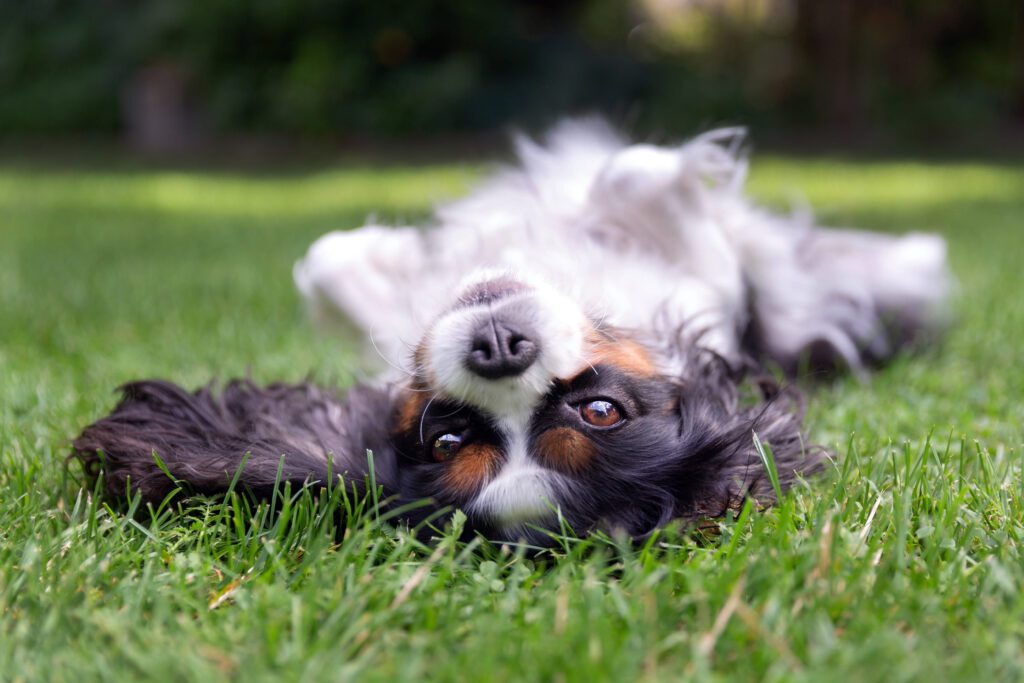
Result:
x=523 y=492
x=638 y=236
x=558 y=323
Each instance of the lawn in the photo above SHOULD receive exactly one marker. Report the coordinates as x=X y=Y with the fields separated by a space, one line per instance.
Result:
x=903 y=562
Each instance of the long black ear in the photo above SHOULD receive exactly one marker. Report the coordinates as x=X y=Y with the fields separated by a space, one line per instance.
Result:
x=698 y=458
x=727 y=417
x=282 y=433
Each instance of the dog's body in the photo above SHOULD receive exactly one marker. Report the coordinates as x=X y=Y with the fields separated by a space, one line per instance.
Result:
x=645 y=238
x=571 y=338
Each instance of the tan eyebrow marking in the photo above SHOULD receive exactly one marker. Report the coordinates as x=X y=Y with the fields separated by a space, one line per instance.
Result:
x=625 y=354
x=566 y=449
x=471 y=467
x=410 y=411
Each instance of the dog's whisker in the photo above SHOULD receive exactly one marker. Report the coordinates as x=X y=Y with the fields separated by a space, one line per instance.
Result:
x=423 y=415
x=418 y=390
x=384 y=358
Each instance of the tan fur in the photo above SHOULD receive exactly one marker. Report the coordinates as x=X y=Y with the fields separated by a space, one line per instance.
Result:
x=625 y=354
x=566 y=449
x=471 y=467
x=410 y=410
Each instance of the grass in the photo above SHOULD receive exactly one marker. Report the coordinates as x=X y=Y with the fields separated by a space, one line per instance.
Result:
x=902 y=563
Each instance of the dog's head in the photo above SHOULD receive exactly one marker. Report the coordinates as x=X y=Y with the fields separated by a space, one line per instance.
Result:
x=522 y=407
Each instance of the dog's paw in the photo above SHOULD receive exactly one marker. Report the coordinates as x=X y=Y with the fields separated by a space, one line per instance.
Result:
x=362 y=274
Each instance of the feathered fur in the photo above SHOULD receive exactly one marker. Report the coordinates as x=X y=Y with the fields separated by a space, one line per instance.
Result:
x=695 y=461
x=583 y=329
x=279 y=433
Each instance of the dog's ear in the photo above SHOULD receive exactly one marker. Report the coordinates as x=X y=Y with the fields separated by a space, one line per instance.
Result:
x=161 y=436
x=700 y=458
x=728 y=422
x=372 y=278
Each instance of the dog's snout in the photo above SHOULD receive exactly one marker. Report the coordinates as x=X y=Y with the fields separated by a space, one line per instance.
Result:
x=501 y=349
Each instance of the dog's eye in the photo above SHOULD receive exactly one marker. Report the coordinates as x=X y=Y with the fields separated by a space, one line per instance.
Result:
x=600 y=413
x=446 y=446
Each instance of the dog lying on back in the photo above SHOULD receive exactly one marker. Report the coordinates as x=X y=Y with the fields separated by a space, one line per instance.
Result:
x=578 y=341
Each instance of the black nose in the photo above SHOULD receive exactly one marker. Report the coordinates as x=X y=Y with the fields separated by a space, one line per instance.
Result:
x=499 y=349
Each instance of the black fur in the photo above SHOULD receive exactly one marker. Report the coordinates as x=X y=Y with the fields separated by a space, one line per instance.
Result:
x=699 y=459
x=202 y=438
x=687 y=453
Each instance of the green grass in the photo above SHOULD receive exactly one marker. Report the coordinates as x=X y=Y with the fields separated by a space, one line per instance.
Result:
x=902 y=563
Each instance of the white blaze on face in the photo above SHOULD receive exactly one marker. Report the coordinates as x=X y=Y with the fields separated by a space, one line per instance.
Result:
x=522 y=491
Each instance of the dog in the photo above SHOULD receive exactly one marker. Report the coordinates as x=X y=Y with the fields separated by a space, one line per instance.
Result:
x=578 y=343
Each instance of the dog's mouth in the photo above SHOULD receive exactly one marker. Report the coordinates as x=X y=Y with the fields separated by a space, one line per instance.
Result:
x=502 y=344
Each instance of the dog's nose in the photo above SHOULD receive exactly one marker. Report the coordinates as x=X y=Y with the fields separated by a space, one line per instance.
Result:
x=501 y=349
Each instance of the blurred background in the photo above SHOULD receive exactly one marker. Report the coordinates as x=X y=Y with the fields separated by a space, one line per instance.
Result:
x=176 y=76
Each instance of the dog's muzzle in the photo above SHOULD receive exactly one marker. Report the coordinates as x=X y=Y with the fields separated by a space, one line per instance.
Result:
x=502 y=343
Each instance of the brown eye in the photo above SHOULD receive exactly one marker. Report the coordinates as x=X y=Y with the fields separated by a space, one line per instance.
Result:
x=600 y=413
x=446 y=446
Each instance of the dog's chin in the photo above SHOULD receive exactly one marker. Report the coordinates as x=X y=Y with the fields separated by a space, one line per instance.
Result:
x=518 y=500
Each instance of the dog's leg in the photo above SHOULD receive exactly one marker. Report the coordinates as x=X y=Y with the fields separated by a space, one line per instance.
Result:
x=828 y=297
x=660 y=205
x=371 y=277
x=800 y=293
x=265 y=436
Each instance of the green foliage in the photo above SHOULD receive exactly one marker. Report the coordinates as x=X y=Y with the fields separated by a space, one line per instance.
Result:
x=903 y=562
x=316 y=67
x=301 y=66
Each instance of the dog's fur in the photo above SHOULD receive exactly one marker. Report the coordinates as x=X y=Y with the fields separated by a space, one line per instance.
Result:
x=578 y=340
